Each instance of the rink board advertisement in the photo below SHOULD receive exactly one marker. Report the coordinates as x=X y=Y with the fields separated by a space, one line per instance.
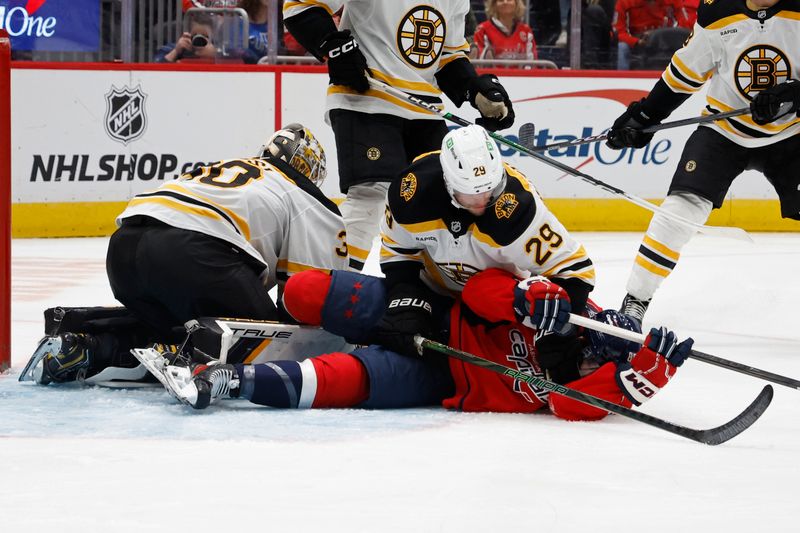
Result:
x=85 y=140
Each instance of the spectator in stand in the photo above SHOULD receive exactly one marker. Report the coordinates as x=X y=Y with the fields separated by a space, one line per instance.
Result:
x=197 y=44
x=635 y=20
x=503 y=35
x=258 y=14
x=596 y=34
x=545 y=18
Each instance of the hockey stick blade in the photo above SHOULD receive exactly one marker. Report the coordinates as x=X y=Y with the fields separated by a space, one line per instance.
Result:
x=527 y=136
x=728 y=232
x=711 y=437
x=639 y=338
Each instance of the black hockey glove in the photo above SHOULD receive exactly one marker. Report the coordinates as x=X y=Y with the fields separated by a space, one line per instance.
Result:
x=346 y=64
x=560 y=356
x=767 y=106
x=627 y=129
x=490 y=99
x=408 y=313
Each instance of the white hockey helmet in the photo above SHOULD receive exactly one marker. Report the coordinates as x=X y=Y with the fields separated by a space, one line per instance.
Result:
x=471 y=163
x=297 y=146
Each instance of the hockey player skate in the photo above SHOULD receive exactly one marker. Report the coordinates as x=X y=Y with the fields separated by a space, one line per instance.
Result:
x=634 y=308
x=59 y=358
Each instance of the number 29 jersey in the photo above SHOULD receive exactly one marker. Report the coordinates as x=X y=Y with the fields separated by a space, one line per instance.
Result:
x=263 y=207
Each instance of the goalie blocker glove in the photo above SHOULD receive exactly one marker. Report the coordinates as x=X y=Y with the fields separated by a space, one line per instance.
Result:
x=346 y=64
x=641 y=377
x=491 y=100
x=542 y=305
x=766 y=106
x=627 y=129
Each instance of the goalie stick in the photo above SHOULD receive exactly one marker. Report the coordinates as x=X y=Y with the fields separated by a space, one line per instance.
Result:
x=730 y=232
x=694 y=354
x=527 y=131
x=712 y=437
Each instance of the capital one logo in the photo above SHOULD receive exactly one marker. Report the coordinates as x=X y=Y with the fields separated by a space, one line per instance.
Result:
x=21 y=20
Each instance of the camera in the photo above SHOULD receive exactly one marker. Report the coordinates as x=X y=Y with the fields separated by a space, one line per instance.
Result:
x=199 y=40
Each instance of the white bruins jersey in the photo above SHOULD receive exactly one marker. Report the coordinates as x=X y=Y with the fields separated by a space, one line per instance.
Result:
x=262 y=207
x=739 y=53
x=405 y=44
x=517 y=234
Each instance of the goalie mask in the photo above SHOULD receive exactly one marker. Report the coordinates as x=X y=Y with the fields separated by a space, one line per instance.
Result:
x=298 y=147
x=471 y=164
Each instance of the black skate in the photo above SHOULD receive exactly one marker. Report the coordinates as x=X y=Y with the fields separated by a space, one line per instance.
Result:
x=60 y=359
x=634 y=308
x=209 y=385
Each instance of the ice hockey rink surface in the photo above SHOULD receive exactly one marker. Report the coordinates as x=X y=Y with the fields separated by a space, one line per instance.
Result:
x=92 y=459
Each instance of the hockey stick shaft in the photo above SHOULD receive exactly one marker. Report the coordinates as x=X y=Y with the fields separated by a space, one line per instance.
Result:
x=712 y=437
x=694 y=354
x=650 y=129
x=734 y=233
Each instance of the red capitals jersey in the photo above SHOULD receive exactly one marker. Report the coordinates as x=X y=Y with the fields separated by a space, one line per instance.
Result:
x=494 y=43
x=632 y=18
x=503 y=340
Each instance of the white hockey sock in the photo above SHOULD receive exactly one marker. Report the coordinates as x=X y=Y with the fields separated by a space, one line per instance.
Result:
x=362 y=211
x=661 y=246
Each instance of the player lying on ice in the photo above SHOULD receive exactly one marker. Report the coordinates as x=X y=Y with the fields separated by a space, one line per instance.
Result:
x=496 y=317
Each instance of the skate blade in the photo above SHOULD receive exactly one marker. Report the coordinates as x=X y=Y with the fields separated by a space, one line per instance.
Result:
x=174 y=378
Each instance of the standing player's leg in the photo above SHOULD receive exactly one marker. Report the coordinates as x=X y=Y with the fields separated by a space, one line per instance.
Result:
x=369 y=150
x=780 y=162
x=708 y=166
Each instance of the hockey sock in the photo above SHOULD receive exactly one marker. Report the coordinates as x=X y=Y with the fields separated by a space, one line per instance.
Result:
x=661 y=246
x=330 y=380
x=362 y=211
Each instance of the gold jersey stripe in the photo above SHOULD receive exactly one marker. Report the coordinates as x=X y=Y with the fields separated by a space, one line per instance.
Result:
x=450 y=58
x=727 y=21
x=464 y=46
x=677 y=85
x=284 y=265
x=579 y=255
x=791 y=15
x=747 y=119
x=177 y=206
x=240 y=222
x=421 y=227
x=650 y=267
x=310 y=3
x=414 y=86
x=660 y=248
x=689 y=73
x=358 y=253
x=341 y=89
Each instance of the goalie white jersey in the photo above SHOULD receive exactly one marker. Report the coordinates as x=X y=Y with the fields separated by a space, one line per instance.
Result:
x=739 y=53
x=261 y=206
x=405 y=44
x=518 y=233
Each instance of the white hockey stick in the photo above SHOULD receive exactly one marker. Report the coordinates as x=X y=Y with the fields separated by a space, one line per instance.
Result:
x=639 y=338
x=720 y=231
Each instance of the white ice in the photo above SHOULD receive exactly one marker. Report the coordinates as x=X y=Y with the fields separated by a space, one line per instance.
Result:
x=87 y=459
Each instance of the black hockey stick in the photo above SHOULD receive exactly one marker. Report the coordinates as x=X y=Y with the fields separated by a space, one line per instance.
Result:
x=731 y=232
x=712 y=437
x=527 y=131
x=694 y=354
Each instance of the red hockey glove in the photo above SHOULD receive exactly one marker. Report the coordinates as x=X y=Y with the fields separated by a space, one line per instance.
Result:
x=541 y=304
x=653 y=366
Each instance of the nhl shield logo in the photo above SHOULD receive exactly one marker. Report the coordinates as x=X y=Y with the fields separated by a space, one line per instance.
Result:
x=125 y=116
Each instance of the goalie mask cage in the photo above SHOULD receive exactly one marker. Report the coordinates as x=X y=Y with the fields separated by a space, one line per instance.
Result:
x=5 y=202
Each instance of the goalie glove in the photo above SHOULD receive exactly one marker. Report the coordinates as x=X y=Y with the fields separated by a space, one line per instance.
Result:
x=346 y=64
x=770 y=105
x=627 y=129
x=651 y=368
x=491 y=100
x=542 y=305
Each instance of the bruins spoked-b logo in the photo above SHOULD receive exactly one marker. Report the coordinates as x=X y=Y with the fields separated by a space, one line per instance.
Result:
x=125 y=116
x=408 y=186
x=420 y=36
x=759 y=68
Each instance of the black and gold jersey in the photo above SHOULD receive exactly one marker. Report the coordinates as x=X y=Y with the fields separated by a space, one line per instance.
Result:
x=517 y=233
x=263 y=207
x=739 y=52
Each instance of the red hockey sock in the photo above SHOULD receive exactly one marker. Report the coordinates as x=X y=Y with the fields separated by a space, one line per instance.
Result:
x=342 y=381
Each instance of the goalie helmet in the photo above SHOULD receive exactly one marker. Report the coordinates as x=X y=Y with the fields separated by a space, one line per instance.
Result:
x=297 y=146
x=471 y=163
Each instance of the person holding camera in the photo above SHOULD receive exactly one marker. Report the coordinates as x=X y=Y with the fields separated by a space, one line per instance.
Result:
x=197 y=43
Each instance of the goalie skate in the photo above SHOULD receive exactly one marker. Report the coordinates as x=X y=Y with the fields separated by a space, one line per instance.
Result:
x=34 y=368
x=175 y=376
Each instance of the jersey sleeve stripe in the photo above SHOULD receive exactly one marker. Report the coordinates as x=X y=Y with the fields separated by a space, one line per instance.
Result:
x=445 y=59
x=358 y=253
x=462 y=47
x=290 y=268
x=423 y=227
x=236 y=219
x=292 y=8
x=675 y=83
x=691 y=76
